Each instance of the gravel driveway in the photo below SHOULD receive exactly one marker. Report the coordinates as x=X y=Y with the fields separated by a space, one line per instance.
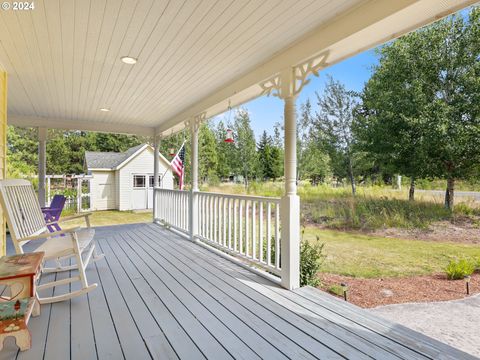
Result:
x=456 y=323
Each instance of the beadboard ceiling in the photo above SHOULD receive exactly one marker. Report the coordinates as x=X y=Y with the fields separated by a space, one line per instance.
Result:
x=63 y=57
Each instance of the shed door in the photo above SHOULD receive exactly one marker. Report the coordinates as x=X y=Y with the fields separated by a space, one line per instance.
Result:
x=139 y=191
x=103 y=191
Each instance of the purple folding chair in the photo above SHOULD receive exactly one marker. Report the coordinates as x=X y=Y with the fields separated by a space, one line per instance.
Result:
x=52 y=213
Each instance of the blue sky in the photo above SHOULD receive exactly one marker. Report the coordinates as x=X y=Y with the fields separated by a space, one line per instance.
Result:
x=353 y=72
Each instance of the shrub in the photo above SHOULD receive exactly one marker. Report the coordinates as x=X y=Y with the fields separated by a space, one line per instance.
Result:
x=213 y=179
x=311 y=259
x=459 y=269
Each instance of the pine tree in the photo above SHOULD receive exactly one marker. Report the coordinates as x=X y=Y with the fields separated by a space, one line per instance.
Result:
x=207 y=159
x=245 y=145
x=265 y=158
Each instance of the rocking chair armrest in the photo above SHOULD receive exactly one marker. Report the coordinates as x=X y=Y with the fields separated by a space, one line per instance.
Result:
x=51 y=234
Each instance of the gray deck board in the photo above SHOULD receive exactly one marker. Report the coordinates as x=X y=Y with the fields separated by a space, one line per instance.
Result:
x=57 y=346
x=263 y=341
x=106 y=338
x=257 y=305
x=163 y=297
x=400 y=334
x=330 y=330
x=184 y=346
x=82 y=340
x=198 y=331
x=154 y=338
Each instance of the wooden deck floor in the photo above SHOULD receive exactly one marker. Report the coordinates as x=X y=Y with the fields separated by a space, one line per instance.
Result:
x=163 y=297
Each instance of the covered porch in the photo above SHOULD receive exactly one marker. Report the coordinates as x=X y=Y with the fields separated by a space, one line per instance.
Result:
x=213 y=275
x=161 y=296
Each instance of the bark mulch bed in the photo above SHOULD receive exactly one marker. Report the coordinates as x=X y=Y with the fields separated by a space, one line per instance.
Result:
x=368 y=293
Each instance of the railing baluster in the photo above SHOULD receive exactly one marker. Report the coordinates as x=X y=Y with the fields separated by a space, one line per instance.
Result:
x=224 y=221
x=210 y=217
x=247 y=227
x=174 y=213
x=235 y=229
x=204 y=216
x=215 y=201
x=240 y=227
x=254 y=230
x=220 y=220
x=277 y=236
x=183 y=216
x=229 y=223
x=269 y=233
x=175 y=209
x=200 y=215
x=186 y=202
x=182 y=210
x=174 y=205
x=260 y=230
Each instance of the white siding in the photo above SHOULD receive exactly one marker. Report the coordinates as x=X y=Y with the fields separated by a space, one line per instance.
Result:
x=141 y=164
x=103 y=190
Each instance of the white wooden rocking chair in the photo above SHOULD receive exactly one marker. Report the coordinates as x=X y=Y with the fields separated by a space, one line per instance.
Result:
x=26 y=223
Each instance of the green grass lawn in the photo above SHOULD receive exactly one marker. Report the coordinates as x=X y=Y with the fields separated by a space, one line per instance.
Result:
x=113 y=217
x=375 y=257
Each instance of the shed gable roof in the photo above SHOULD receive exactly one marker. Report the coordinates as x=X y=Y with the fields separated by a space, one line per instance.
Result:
x=112 y=160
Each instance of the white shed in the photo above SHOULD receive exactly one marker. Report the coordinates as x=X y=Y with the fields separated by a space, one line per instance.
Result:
x=124 y=181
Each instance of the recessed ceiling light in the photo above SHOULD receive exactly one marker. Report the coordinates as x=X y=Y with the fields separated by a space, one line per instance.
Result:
x=128 y=60
x=105 y=109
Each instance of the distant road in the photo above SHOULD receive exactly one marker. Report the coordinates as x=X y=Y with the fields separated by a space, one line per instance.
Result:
x=471 y=194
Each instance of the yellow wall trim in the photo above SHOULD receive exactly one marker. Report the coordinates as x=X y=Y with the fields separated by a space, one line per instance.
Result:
x=3 y=151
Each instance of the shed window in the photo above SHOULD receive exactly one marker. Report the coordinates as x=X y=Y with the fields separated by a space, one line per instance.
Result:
x=151 y=181
x=139 y=181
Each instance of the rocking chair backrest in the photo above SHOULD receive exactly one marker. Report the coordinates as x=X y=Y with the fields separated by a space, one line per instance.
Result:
x=23 y=212
x=58 y=202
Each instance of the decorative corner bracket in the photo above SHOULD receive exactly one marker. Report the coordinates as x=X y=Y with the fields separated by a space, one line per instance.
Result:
x=195 y=122
x=282 y=85
x=271 y=86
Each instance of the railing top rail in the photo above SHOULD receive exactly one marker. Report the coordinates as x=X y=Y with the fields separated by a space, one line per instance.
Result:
x=170 y=190
x=243 y=197
x=231 y=196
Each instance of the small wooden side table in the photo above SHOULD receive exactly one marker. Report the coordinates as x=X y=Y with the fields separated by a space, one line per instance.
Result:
x=20 y=274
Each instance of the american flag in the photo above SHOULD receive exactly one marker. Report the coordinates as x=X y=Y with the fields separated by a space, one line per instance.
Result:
x=178 y=164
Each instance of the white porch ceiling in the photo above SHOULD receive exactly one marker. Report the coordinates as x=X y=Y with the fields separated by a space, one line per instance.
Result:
x=63 y=58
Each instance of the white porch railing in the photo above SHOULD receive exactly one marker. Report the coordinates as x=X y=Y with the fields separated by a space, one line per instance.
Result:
x=247 y=227
x=172 y=208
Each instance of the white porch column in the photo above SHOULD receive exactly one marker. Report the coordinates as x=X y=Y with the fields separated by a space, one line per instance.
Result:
x=194 y=157
x=42 y=164
x=194 y=128
x=290 y=203
x=156 y=172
